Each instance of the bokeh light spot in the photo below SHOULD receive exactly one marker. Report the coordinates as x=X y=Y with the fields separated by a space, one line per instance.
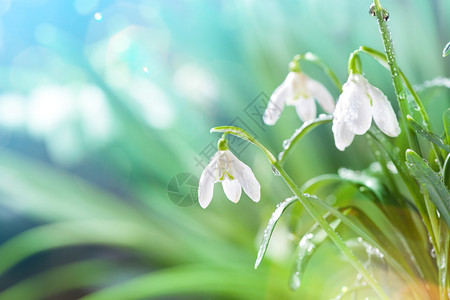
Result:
x=98 y=16
x=12 y=110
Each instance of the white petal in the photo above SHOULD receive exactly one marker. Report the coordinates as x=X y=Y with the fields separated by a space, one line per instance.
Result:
x=342 y=137
x=246 y=178
x=206 y=188
x=356 y=112
x=321 y=94
x=232 y=189
x=277 y=101
x=383 y=114
x=207 y=180
x=306 y=108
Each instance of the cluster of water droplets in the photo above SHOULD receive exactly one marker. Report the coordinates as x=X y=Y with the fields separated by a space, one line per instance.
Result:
x=305 y=250
x=384 y=12
x=270 y=227
x=372 y=258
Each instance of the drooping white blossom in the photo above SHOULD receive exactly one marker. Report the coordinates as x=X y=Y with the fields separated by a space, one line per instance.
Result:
x=298 y=90
x=357 y=105
x=226 y=168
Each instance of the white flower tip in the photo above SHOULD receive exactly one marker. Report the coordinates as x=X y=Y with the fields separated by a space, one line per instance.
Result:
x=255 y=194
x=204 y=198
x=339 y=146
x=232 y=189
x=342 y=136
x=395 y=132
x=203 y=205
x=206 y=184
x=268 y=119
x=203 y=201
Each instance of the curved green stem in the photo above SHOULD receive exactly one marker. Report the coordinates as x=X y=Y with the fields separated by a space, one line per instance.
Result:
x=244 y=135
x=333 y=235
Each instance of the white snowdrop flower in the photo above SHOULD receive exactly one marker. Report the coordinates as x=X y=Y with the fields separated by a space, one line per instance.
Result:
x=226 y=168
x=358 y=103
x=298 y=90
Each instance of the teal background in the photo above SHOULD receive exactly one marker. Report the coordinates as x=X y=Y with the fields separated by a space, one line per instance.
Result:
x=103 y=103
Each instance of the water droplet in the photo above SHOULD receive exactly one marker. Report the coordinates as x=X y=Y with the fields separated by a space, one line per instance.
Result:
x=294 y=282
x=391 y=167
x=433 y=253
x=372 y=10
x=98 y=16
x=344 y=289
x=385 y=15
x=286 y=143
x=275 y=171
x=280 y=156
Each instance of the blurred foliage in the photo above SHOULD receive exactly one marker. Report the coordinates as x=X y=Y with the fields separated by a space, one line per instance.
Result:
x=103 y=102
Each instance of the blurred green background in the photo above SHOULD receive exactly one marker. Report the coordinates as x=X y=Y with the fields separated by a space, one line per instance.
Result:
x=103 y=104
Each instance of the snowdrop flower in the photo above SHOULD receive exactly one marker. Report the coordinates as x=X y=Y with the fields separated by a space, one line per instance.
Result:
x=358 y=103
x=298 y=90
x=226 y=168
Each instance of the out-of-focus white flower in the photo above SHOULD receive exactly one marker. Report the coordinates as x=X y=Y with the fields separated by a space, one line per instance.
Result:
x=226 y=168
x=358 y=103
x=298 y=90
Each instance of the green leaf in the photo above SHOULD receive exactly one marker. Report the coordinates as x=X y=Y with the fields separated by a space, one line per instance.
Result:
x=430 y=183
x=306 y=248
x=300 y=132
x=446 y=50
x=446 y=171
x=435 y=139
x=447 y=125
x=397 y=263
x=271 y=226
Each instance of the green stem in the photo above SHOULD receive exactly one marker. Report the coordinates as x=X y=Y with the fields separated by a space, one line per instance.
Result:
x=381 y=58
x=443 y=265
x=308 y=206
x=333 y=235
x=398 y=86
